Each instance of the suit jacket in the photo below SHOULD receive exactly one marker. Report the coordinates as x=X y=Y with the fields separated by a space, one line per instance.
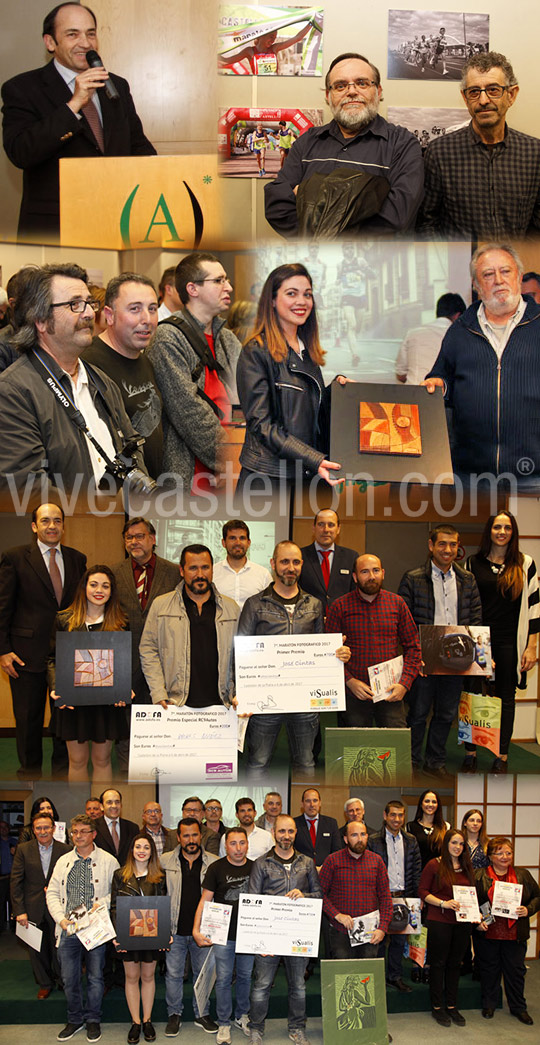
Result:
x=40 y=129
x=28 y=605
x=28 y=883
x=328 y=838
x=341 y=574
x=166 y=577
x=103 y=838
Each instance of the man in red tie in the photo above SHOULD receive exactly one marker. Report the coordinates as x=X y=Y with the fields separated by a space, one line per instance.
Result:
x=317 y=835
x=327 y=571
x=36 y=580
x=62 y=111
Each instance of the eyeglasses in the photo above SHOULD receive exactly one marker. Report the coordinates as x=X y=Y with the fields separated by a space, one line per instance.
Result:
x=221 y=280
x=81 y=831
x=362 y=85
x=213 y=809
x=78 y=305
x=493 y=90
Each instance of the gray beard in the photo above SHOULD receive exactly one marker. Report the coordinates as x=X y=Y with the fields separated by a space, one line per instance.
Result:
x=352 y=120
x=502 y=308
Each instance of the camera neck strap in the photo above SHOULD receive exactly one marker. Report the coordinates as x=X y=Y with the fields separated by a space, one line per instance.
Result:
x=65 y=399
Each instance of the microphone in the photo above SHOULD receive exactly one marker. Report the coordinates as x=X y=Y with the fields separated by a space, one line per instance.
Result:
x=94 y=61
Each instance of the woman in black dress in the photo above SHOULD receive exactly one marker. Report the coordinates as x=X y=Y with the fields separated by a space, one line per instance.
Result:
x=142 y=875
x=96 y=607
x=508 y=584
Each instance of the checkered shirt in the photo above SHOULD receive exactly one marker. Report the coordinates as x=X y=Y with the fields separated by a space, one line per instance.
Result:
x=473 y=190
x=374 y=632
x=355 y=887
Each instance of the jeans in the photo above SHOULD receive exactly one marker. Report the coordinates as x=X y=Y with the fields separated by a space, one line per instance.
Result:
x=396 y=946
x=265 y=970
x=263 y=731
x=71 y=953
x=174 y=974
x=225 y=961
x=443 y=693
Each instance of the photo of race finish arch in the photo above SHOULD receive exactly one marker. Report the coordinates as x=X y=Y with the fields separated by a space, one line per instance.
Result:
x=270 y=41
x=254 y=143
x=434 y=45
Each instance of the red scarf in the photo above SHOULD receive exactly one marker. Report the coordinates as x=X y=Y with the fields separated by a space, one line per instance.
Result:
x=510 y=876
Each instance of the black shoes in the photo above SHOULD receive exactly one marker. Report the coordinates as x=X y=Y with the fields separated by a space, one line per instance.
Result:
x=488 y=1014
x=442 y=1017
x=148 y=1031
x=469 y=764
x=456 y=1017
x=400 y=985
x=499 y=767
x=524 y=1017
x=69 y=1030
x=173 y=1026
x=134 y=1034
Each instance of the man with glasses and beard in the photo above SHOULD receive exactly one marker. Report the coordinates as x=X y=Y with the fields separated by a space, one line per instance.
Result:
x=360 y=140
x=377 y=623
x=355 y=882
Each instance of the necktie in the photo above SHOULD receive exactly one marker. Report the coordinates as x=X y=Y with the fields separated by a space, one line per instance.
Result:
x=325 y=567
x=141 y=587
x=313 y=832
x=54 y=574
x=94 y=121
x=115 y=838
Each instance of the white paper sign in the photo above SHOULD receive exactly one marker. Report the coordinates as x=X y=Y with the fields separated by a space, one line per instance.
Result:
x=215 y=921
x=467 y=898
x=383 y=676
x=506 y=898
x=278 y=925
x=363 y=927
x=29 y=934
x=183 y=745
x=276 y=674
x=59 y=831
x=205 y=980
x=100 y=929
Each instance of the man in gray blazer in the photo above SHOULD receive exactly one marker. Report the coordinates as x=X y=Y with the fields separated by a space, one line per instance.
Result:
x=33 y=865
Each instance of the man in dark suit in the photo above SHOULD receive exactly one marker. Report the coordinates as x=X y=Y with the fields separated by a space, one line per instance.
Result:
x=140 y=579
x=113 y=833
x=354 y=810
x=316 y=835
x=62 y=111
x=327 y=572
x=36 y=580
x=33 y=865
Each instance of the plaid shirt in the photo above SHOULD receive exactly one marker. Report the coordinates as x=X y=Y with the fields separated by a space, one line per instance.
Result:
x=374 y=631
x=474 y=190
x=79 y=885
x=355 y=887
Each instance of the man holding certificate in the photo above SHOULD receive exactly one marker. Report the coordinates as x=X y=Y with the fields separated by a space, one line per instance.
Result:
x=215 y=917
x=284 y=609
x=282 y=872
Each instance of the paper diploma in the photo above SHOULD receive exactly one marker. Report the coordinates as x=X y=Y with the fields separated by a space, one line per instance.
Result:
x=215 y=921
x=205 y=980
x=506 y=898
x=29 y=934
x=100 y=929
x=278 y=925
x=383 y=676
x=276 y=674
x=363 y=928
x=183 y=745
x=467 y=898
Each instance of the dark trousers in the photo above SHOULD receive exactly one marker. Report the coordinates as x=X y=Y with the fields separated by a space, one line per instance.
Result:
x=504 y=687
x=29 y=694
x=447 y=944
x=442 y=693
x=45 y=964
x=394 y=957
x=496 y=959
x=364 y=713
x=340 y=946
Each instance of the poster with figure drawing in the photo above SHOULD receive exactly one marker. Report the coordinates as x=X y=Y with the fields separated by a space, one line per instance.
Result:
x=360 y=757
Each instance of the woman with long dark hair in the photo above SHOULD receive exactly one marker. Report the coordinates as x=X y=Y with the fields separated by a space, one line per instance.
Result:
x=429 y=826
x=474 y=829
x=141 y=875
x=508 y=584
x=447 y=938
x=96 y=607
x=39 y=805
x=501 y=945
x=280 y=384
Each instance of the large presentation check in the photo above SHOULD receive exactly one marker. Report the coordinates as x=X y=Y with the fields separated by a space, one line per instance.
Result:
x=183 y=745
x=278 y=925
x=283 y=673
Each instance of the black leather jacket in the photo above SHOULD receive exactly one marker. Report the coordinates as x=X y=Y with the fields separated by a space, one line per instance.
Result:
x=264 y=615
x=286 y=406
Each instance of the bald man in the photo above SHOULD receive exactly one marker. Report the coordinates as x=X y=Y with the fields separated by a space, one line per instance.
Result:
x=377 y=623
